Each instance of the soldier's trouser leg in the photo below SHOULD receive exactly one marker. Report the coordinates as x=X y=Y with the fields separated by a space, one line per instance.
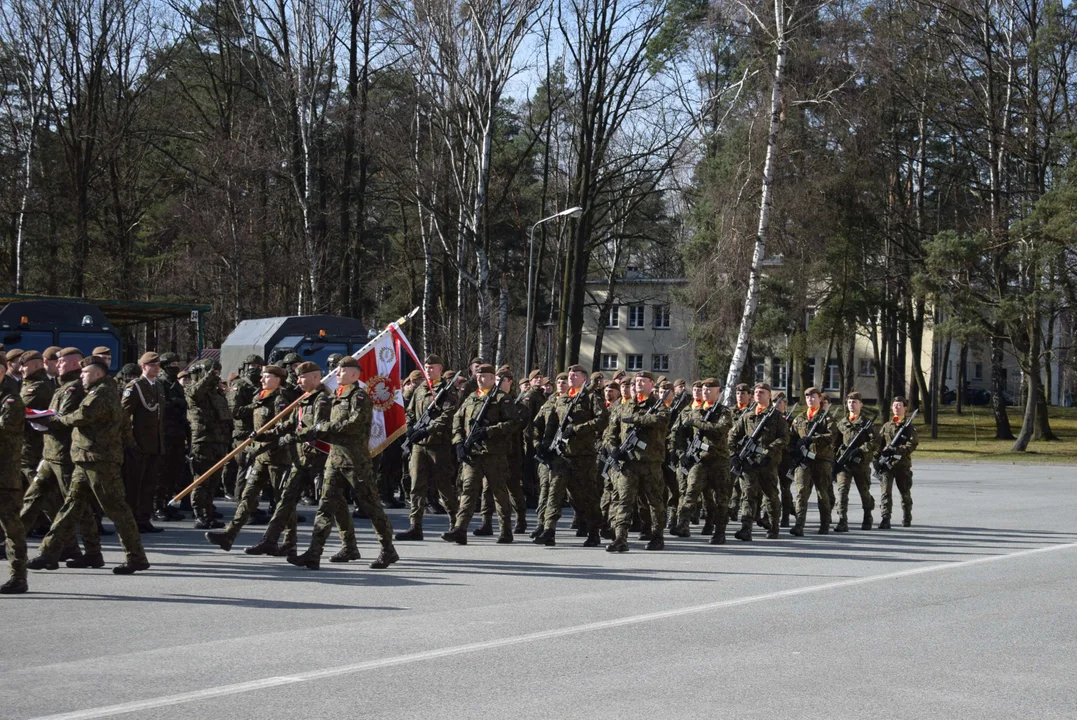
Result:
x=903 y=478
x=625 y=495
x=514 y=482
x=170 y=481
x=432 y=463
x=736 y=499
x=332 y=507
x=672 y=496
x=581 y=483
x=764 y=487
x=701 y=486
x=652 y=488
x=366 y=497
x=202 y=496
x=493 y=469
x=280 y=477
x=14 y=532
x=141 y=471
x=543 y=471
x=555 y=493
x=814 y=474
x=101 y=480
x=284 y=517
x=487 y=510
x=723 y=492
x=45 y=495
x=788 y=504
x=258 y=481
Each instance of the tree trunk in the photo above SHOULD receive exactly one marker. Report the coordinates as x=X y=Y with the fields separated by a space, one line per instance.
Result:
x=998 y=387
x=962 y=362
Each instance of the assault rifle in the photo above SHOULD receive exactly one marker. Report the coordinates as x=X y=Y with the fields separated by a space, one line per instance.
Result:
x=421 y=428
x=889 y=457
x=851 y=454
x=683 y=399
x=751 y=452
x=789 y=415
x=699 y=444
x=477 y=432
x=560 y=438
x=616 y=457
x=803 y=453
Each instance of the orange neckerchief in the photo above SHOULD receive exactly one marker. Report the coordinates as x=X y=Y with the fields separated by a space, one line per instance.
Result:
x=642 y=398
x=741 y=407
x=624 y=400
x=706 y=405
x=266 y=393
x=481 y=393
x=697 y=404
x=572 y=392
x=341 y=389
x=759 y=409
x=898 y=420
x=812 y=412
x=853 y=418
x=608 y=403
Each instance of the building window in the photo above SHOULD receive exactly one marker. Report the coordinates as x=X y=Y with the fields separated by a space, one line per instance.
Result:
x=660 y=362
x=760 y=372
x=833 y=377
x=634 y=362
x=867 y=367
x=779 y=373
x=809 y=370
x=635 y=316
x=613 y=319
x=661 y=317
x=609 y=361
x=978 y=372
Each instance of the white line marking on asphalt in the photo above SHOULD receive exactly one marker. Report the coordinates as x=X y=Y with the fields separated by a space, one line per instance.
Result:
x=209 y=693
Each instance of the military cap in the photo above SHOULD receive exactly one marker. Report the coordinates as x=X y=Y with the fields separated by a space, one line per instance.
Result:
x=332 y=360
x=762 y=386
x=253 y=359
x=710 y=382
x=824 y=398
x=665 y=385
x=505 y=371
x=69 y=351
x=485 y=368
x=620 y=374
x=853 y=396
x=149 y=358
x=433 y=359
x=348 y=361
x=291 y=359
x=93 y=360
x=577 y=368
x=50 y=352
x=448 y=375
x=615 y=385
x=597 y=376
x=30 y=356
x=130 y=370
x=562 y=376
x=477 y=361
x=779 y=396
x=742 y=387
x=660 y=379
x=534 y=374
x=101 y=350
x=812 y=391
x=275 y=370
x=415 y=377
x=697 y=383
x=13 y=354
x=680 y=382
x=646 y=375
x=307 y=367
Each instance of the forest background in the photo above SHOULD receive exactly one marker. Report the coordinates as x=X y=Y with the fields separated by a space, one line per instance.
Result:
x=818 y=171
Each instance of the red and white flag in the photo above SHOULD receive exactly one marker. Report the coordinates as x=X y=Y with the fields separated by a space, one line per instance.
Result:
x=380 y=361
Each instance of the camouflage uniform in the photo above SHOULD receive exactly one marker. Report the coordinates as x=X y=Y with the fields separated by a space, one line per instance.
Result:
x=707 y=479
x=432 y=460
x=211 y=424
x=514 y=479
x=735 y=496
x=760 y=482
x=575 y=471
x=901 y=474
x=97 y=440
x=242 y=397
x=543 y=413
x=640 y=474
x=814 y=473
x=488 y=459
x=36 y=391
x=177 y=435
x=12 y=431
x=144 y=402
x=858 y=472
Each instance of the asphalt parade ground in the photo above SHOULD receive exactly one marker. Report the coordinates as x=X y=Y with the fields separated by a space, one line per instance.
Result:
x=970 y=613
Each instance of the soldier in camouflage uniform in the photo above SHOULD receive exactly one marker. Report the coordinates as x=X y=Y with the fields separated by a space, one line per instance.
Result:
x=272 y=460
x=242 y=396
x=97 y=450
x=514 y=481
x=640 y=473
x=901 y=474
x=431 y=460
x=49 y=490
x=538 y=432
x=487 y=457
x=574 y=471
x=859 y=469
x=760 y=481
x=815 y=431
x=348 y=434
x=743 y=402
x=177 y=435
x=36 y=390
x=616 y=407
x=12 y=428
x=708 y=477
x=211 y=428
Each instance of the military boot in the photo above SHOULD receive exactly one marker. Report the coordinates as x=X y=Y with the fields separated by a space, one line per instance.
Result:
x=131 y=567
x=521 y=525
x=906 y=518
x=14 y=586
x=607 y=533
x=645 y=534
x=265 y=546
x=619 y=544
x=824 y=524
x=866 y=524
x=772 y=530
x=94 y=561
x=785 y=520
x=548 y=537
x=386 y=557
x=286 y=550
x=745 y=532
x=505 y=537
x=842 y=526
x=308 y=560
x=719 y=535
x=456 y=535
x=708 y=527
x=70 y=553
x=487 y=528
x=42 y=562
x=657 y=543
x=884 y=524
x=346 y=555
x=220 y=539
x=592 y=539
x=415 y=532
x=681 y=528
x=536 y=532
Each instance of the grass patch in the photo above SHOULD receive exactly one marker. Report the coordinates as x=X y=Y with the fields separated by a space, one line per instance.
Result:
x=969 y=437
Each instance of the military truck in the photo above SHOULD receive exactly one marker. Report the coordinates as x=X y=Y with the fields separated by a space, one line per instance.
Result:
x=311 y=337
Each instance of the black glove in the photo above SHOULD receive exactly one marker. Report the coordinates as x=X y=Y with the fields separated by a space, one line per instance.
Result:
x=686 y=462
x=479 y=434
x=461 y=454
x=286 y=440
x=616 y=454
x=763 y=462
x=434 y=411
x=569 y=432
x=418 y=435
x=628 y=419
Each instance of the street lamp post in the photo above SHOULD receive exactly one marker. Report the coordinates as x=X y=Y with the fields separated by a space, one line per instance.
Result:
x=575 y=211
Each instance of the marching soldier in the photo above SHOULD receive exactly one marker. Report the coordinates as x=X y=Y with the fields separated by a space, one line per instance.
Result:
x=640 y=474
x=901 y=473
x=514 y=481
x=815 y=429
x=581 y=414
x=432 y=461
x=538 y=432
x=608 y=491
x=272 y=461
x=485 y=457
x=785 y=467
x=742 y=394
x=211 y=427
x=177 y=434
x=858 y=471
x=36 y=391
x=97 y=450
x=348 y=434
x=12 y=422
x=242 y=397
x=759 y=481
x=51 y=356
x=708 y=475
x=144 y=401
